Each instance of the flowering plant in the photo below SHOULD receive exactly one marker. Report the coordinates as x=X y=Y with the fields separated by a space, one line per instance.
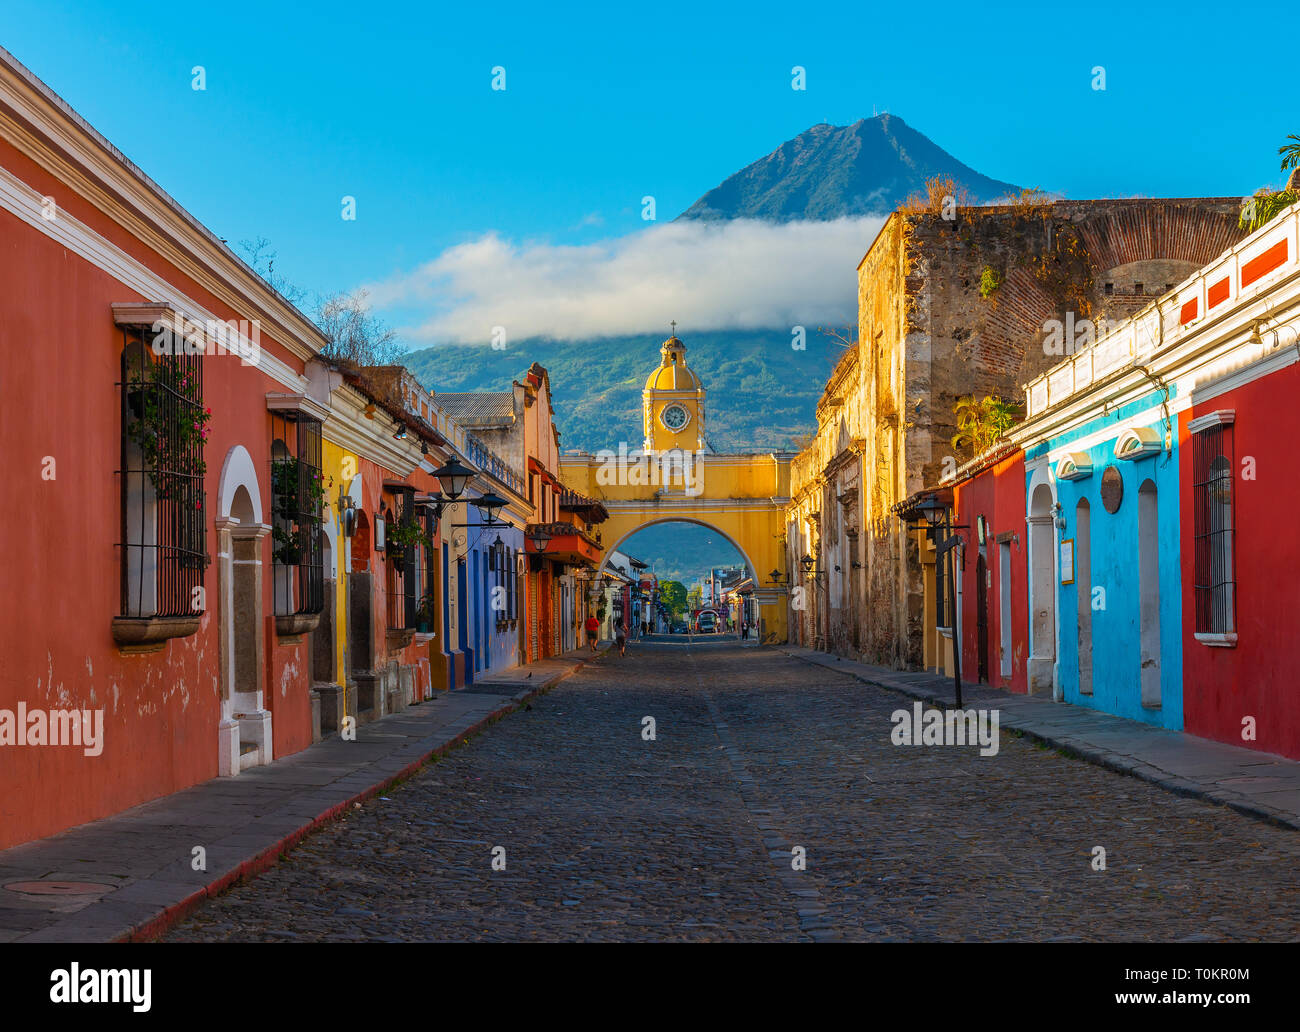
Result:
x=170 y=425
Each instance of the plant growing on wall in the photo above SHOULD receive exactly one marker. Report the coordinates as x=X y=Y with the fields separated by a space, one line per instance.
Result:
x=1264 y=207
x=169 y=426
x=990 y=280
x=982 y=421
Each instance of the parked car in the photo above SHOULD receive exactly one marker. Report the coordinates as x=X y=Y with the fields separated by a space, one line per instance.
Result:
x=707 y=623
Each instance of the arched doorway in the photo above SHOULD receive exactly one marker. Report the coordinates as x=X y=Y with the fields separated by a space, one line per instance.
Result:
x=327 y=696
x=1149 y=593
x=244 y=730
x=1083 y=591
x=1042 y=589
x=361 y=619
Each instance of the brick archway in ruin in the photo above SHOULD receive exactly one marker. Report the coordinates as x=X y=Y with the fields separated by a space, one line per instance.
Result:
x=1169 y=239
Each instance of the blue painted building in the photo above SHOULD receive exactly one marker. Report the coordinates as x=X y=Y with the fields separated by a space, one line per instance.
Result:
x=493 y=604
x=1108 y=487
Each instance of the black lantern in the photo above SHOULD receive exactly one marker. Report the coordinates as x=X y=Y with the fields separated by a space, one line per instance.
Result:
x=488 y=505
x=453 y=477
x=539 y=538
x=807 y=562
x=933 y=510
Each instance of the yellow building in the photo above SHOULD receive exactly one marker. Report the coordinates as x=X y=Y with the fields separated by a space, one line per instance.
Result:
x=675 y=476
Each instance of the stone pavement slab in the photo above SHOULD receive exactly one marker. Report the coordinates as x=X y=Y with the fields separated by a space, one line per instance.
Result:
x=1256 y=783
x=132 y=875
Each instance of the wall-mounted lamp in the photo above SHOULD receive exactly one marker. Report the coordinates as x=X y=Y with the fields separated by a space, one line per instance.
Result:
x=488 y=505
x=400 y=434
x=1060 y=520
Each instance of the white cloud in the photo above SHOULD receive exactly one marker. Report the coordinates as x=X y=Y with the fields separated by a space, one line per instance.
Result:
x=723 y=275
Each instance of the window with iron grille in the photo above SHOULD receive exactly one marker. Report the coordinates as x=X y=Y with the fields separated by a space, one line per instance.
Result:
x=1212 y=476
x=164 y=518
x=512 y=577
x=403 y=549
x=424 y=614
x=495 y=561
x=297 y=496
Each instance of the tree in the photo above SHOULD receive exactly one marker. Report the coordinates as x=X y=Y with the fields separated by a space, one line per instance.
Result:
x=261 y=258
x=673 y=595
x=1265 y=204
x=355 y=334
x=1290 y=152
x=980 y=422
x=695 y=598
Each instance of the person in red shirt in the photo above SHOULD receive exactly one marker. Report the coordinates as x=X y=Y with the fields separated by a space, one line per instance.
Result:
x=593 y=631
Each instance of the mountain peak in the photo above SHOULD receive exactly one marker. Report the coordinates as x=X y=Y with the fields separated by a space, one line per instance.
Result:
x=829 y=171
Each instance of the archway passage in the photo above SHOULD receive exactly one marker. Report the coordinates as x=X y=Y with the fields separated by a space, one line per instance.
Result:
x=695 y=568
x=742 y=498
x=753 y=538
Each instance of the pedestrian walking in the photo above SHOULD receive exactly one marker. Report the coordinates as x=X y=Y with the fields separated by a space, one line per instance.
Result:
x=593 y=631
x=744 y=630
x=620 y=639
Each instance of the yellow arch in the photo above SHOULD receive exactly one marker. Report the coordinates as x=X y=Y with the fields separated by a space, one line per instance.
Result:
x=741 y=497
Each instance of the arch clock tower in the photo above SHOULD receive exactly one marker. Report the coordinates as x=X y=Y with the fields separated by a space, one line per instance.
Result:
x=673 y=403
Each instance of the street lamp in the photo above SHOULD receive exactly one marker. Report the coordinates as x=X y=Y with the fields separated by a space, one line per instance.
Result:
x=453 y=477
x=539 y=537
x=935 y=513
x=488 y=504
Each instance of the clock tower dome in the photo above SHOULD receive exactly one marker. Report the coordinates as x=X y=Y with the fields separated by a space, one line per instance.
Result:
x=673 y=402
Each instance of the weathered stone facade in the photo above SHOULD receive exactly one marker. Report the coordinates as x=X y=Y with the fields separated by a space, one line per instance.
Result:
x=978 y=304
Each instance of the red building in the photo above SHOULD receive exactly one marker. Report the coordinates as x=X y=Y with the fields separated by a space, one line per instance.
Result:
x=1239 y=557
x=989 y=499
x=144 y=367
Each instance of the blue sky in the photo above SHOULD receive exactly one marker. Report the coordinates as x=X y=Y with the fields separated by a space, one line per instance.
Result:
x=391 y=103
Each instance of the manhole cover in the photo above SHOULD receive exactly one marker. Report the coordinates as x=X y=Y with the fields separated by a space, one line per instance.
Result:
x=60 y=888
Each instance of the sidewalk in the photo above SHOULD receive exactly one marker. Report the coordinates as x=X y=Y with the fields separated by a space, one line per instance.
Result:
x=1255 y=783
x=131 y=876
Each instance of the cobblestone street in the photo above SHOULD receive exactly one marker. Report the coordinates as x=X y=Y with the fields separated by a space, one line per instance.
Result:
x=608 y=836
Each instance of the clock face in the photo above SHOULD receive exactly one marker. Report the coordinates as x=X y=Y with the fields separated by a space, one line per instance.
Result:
x=674 y=417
